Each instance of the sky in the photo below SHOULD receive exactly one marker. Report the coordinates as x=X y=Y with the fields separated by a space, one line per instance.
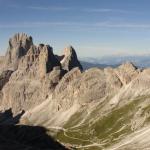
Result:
x=94 y=28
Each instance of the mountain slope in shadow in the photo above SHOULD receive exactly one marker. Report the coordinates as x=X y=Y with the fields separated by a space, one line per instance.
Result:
x=20 y=137
x=23 y=137
x=7 y=117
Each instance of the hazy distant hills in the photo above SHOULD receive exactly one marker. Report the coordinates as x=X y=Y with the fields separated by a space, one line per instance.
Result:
x=115 y=60
x=88 y=65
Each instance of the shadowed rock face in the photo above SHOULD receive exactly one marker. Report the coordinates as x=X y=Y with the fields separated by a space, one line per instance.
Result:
x=47 y=60
x=23 y=137
x=4 y=77
x=7 y=117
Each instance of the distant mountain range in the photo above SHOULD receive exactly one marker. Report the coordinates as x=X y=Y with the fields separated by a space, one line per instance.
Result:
x=88 y=65
x=141 y=61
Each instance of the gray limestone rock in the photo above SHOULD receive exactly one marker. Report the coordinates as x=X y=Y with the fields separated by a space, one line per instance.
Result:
x=70 y=59
x=4 y=77
x=19 y=44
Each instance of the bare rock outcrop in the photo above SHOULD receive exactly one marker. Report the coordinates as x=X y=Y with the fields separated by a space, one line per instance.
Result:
x=78 y=90
x=19 y=44
x=70 y=59
x=47 y=60
x=2 y=60
x=94 y=84
x=4 y=77
x=127 y=72
x=37 y=71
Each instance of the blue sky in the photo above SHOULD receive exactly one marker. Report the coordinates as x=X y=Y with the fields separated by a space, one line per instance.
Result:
x=94 y=27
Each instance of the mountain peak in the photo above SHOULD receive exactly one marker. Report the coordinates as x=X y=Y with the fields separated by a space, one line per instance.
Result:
x=128 y=65
x=19 y=44
x=70 y=59
x=20 y=39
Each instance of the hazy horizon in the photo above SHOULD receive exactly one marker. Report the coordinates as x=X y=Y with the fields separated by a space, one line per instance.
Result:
x=95 y=28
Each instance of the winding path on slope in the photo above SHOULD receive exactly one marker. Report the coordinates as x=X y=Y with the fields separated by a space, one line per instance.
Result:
x=135 y=137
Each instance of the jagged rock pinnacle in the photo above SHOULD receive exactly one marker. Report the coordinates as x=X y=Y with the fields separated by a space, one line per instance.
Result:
x=70 y=59
x=19 y=44
x=47 y=60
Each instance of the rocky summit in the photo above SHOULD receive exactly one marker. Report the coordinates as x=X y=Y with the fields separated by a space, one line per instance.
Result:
x=44 y=94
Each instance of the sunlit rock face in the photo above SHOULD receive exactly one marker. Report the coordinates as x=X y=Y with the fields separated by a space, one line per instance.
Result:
x=34 y=73
x=18 y=46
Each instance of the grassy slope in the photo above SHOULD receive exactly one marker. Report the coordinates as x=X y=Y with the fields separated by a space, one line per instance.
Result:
x=105 y=130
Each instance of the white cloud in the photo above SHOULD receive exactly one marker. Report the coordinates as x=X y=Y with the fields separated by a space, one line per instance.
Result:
x=122 y=25
x=97 y=10
x=63 y=8
x=40 y=8
x=32 y=24
x=82 y=26
x=108 y=10
x=54 y=8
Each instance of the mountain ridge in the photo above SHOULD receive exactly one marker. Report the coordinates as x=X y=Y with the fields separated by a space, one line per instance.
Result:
x=96 y=108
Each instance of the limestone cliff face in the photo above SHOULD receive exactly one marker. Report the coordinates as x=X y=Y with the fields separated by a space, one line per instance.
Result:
x=78 y=91
x=70 y=59
x=37 y=71
x=47 y=60
x=19 y=44
x=4 y=78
